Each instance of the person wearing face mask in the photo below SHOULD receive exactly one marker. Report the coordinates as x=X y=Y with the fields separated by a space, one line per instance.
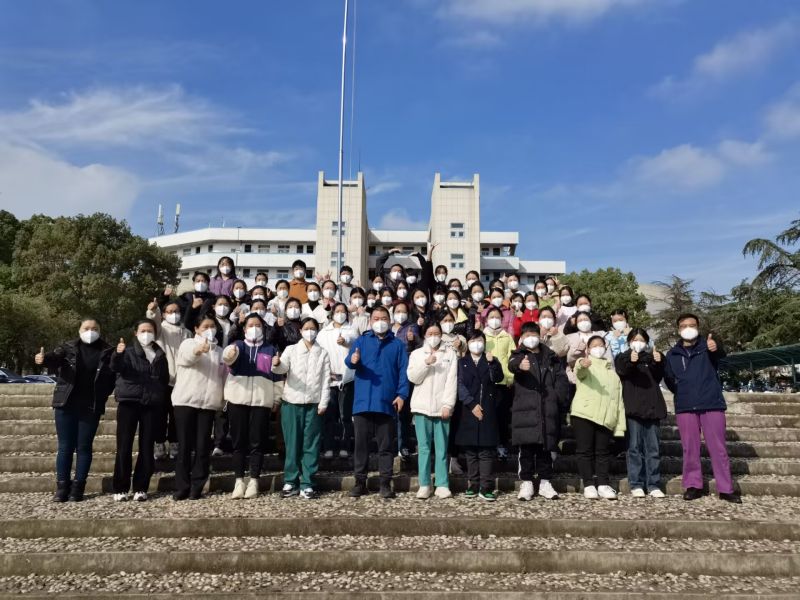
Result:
x=525 y=309
x=380 y=361
x=433 y=370
x=240 y=298
x=421 y=312
x=317 y=306
x=476 y=302
x=402 y=292
x=252 y=394
x=453 y=339
x=550 y=335
x=199 y=384
x=579 y=342
x=566 y=306
x=397 y=272
x=641 y=370
x=497 y=302
x=440 y=274
x=545 y=299
x=262 y=280
x=200 y=299
x=471 y=278
x=583 y=304
x=346 y=285
x=691 y=374
x=406 y=331
x=453 y=307
x=277 y=304
x=500 y=344
x=288 y=326
x=540 y=393
x=298 y=285
x=305 y=399
x=169 y=336
x=617 y=338
x=359 y=315
x=335 y=338
x=221 y=283
x=142 y=379
x=479 y=377
x=597 y=416
x=84 y=381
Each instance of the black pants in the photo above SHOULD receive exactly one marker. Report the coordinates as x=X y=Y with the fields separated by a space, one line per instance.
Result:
x=165 y=431
x=130 y=417
x=193 y=426
x=249 y=430
x=383 y=428
x=221 y=428
x=504 y=399
x=534 y=459
x=592 y=450
x=337 y=431
x=480 y=468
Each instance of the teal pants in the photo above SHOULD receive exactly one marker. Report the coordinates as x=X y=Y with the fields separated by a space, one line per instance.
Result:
x=302 y=434
x=432 y=434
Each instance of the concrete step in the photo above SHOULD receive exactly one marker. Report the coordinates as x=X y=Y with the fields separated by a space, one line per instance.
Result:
x=775 y=408
x=47 y=427
x=754 y=421
x=755 y=398
x=23 y=413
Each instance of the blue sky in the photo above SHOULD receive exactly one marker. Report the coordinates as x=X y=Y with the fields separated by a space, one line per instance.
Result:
x=653 y=135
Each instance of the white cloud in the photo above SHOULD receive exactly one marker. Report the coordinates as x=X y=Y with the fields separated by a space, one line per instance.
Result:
x=744 y=52
x=745 y=154
x=505 y=12
x=479 y=39
x=383 y=187
x=782 y=119
x=399 y=219
x=32 y=181
x=685 y=166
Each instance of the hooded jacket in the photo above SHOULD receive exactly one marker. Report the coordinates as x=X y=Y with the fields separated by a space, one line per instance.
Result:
x=691 y=374
x=436 y=385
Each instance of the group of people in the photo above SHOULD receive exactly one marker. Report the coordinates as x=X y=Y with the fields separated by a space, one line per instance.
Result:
x=461 y=370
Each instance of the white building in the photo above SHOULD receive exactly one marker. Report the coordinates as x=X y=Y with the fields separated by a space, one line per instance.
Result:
x=454 y=224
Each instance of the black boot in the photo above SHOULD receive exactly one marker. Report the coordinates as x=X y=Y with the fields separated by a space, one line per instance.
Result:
x=76 y=494
x=62 y=491
x=692 y=494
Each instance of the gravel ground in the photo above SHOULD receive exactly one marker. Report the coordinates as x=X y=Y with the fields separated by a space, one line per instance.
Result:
x=350 y=542
x=337 y=504
x=189 y=583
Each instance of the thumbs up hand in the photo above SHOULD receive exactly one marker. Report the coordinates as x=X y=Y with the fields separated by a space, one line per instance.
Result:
x=341 y=341
x=356 y=356
x=656 y=355
x=276 y=360
x=202 y=347
x=431 y=360
x=489 y=357
x=712 y=345
x=121 y=346
x=525 y=365
x=39 y=358
x=197 y=303
x=586 y=362
x=634 y=356
x=229 y=353
x=153 y=305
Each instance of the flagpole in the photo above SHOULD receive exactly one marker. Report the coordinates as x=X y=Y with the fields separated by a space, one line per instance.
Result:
x=339 y=261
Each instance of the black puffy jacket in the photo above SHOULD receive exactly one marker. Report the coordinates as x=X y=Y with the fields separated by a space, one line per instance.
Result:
x=139 y=380
x=63 y=361
x=641 y=393
x=477 y=385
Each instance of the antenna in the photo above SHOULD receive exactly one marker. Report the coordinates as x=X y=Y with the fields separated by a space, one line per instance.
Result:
x=177 y=217
x=160 y=221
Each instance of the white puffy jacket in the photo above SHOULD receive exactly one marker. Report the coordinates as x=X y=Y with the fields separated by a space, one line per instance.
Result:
x=169 y=337
x=309 y=374
x=199 y=379
x=328 y=339
x=436 y=385
x=250 y=390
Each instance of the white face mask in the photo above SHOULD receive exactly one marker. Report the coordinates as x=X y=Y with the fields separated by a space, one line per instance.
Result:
x=380 y=327
x=283 y=294
x=470 y=282
x=498 y=302
x=546 y=323
x=453 y=303
x=89 y=336
x=448 y=327
x=531 y=305
x=222 y=310
x=585 y=308
x=551 y=288
x=411 y=279
x=476 y=347
x=689 y=333
x=513 y=285
x=293 y=313
x=638 y=346
x=477 y=297
x=358 y=301
x=433 y=341
x=386 y=300
x=145 y=338
x=540 y=292
x=455 y=289
x=346 y=278
x=258 y=297
x=309 y=335
x=299 y=274
x=531 y=341
x=340 y=317
x=225 y=270
x=238 y=293
x=261 y=313
x=200 y=287
x=313 y=296
x=438 y=298
x=619 y=325
x=584 y=326
x=254 y=334
x=566 y=299
x=261 y=282
x=598 y=351
x=422 y=301
x=370 y=302
x=441 y=277
x=210 y=334
x=400 y=318
x=395 y=275
x=402 y=293
x=494 y=323
x=328 y=293
x=377 y=286
x=173 y=318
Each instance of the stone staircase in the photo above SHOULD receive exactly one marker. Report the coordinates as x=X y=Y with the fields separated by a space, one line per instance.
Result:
x=459 y=548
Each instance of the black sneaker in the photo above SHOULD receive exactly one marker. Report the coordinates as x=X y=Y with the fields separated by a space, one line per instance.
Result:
x=487 y=496
x=359 y=489
x=692 y=494
x=471 y=493
x=196 y=494
x=289 y=491
x=405 y=453
x=387 y=493
x=182 y=495
x=733 y=498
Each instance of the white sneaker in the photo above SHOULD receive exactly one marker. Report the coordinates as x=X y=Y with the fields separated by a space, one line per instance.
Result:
x=424 y=492
x=120 y=497
x=327 y=454
x=160 y=452
x=590 y=492
x=173 y=450
x=252 y=489
x=546 y=490
x=140 y=497
x=525 y=491
x=217 y=452
x=238 y=489
x=606 y=492
x=657 y=493
x=344 y=454
x=443 y=492
x=638 y=493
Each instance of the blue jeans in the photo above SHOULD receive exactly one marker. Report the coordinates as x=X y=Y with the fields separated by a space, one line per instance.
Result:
x=644 y=460
x=76 y=431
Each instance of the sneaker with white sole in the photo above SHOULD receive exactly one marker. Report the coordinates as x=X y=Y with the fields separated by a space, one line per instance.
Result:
x=173 y=450
x=238 y=489
x=502 y=453
x=309 y=494
x=140 y=497
x=328 y=454
x=424 y=492
x=590 y=492
x=606 y=492
x=120 y=497
x=546 y=490
x=657 y=493
x=443 y=492
x=344 y=454
x=160 y=451
x=525 y=491
x=289 y=490
x=638 y=493
x=217 y=452
x=252 y=489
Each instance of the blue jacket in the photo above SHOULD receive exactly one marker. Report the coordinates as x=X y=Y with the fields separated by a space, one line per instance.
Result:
x=380 y=374
x=691 y=374
x=254 y=361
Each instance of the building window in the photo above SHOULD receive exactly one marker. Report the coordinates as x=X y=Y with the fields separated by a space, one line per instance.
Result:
x=456 y=230
x=309 y=249
x=263 y=248
x=197 y=250
x=335 y=227
x=300 y=248
x=246 y=273
x=248 y=247
x=373 y=251
x=484 y=252
x=187 y=251
x=185 y=275
x=408 y=249
x=283 y=249
x=211 y=247
x=495 y=251
x=456 y=261
x=283 y=274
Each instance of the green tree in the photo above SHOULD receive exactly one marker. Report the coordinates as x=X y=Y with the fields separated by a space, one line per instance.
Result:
x=778 y=265
x=611 y=289
x=8 y=233
x=678 y=298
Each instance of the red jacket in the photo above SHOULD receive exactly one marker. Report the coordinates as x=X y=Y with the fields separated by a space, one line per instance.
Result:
x=528 y=316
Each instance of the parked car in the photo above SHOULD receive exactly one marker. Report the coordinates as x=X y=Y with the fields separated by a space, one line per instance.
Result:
x=40 y=379
x=7 y=376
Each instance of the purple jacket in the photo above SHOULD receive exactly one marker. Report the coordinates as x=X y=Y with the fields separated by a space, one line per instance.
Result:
x=221 y=287
x=507 y=322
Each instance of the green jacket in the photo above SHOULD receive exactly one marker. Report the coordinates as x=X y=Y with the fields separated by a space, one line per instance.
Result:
x=598 y=397
x=501 y=346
